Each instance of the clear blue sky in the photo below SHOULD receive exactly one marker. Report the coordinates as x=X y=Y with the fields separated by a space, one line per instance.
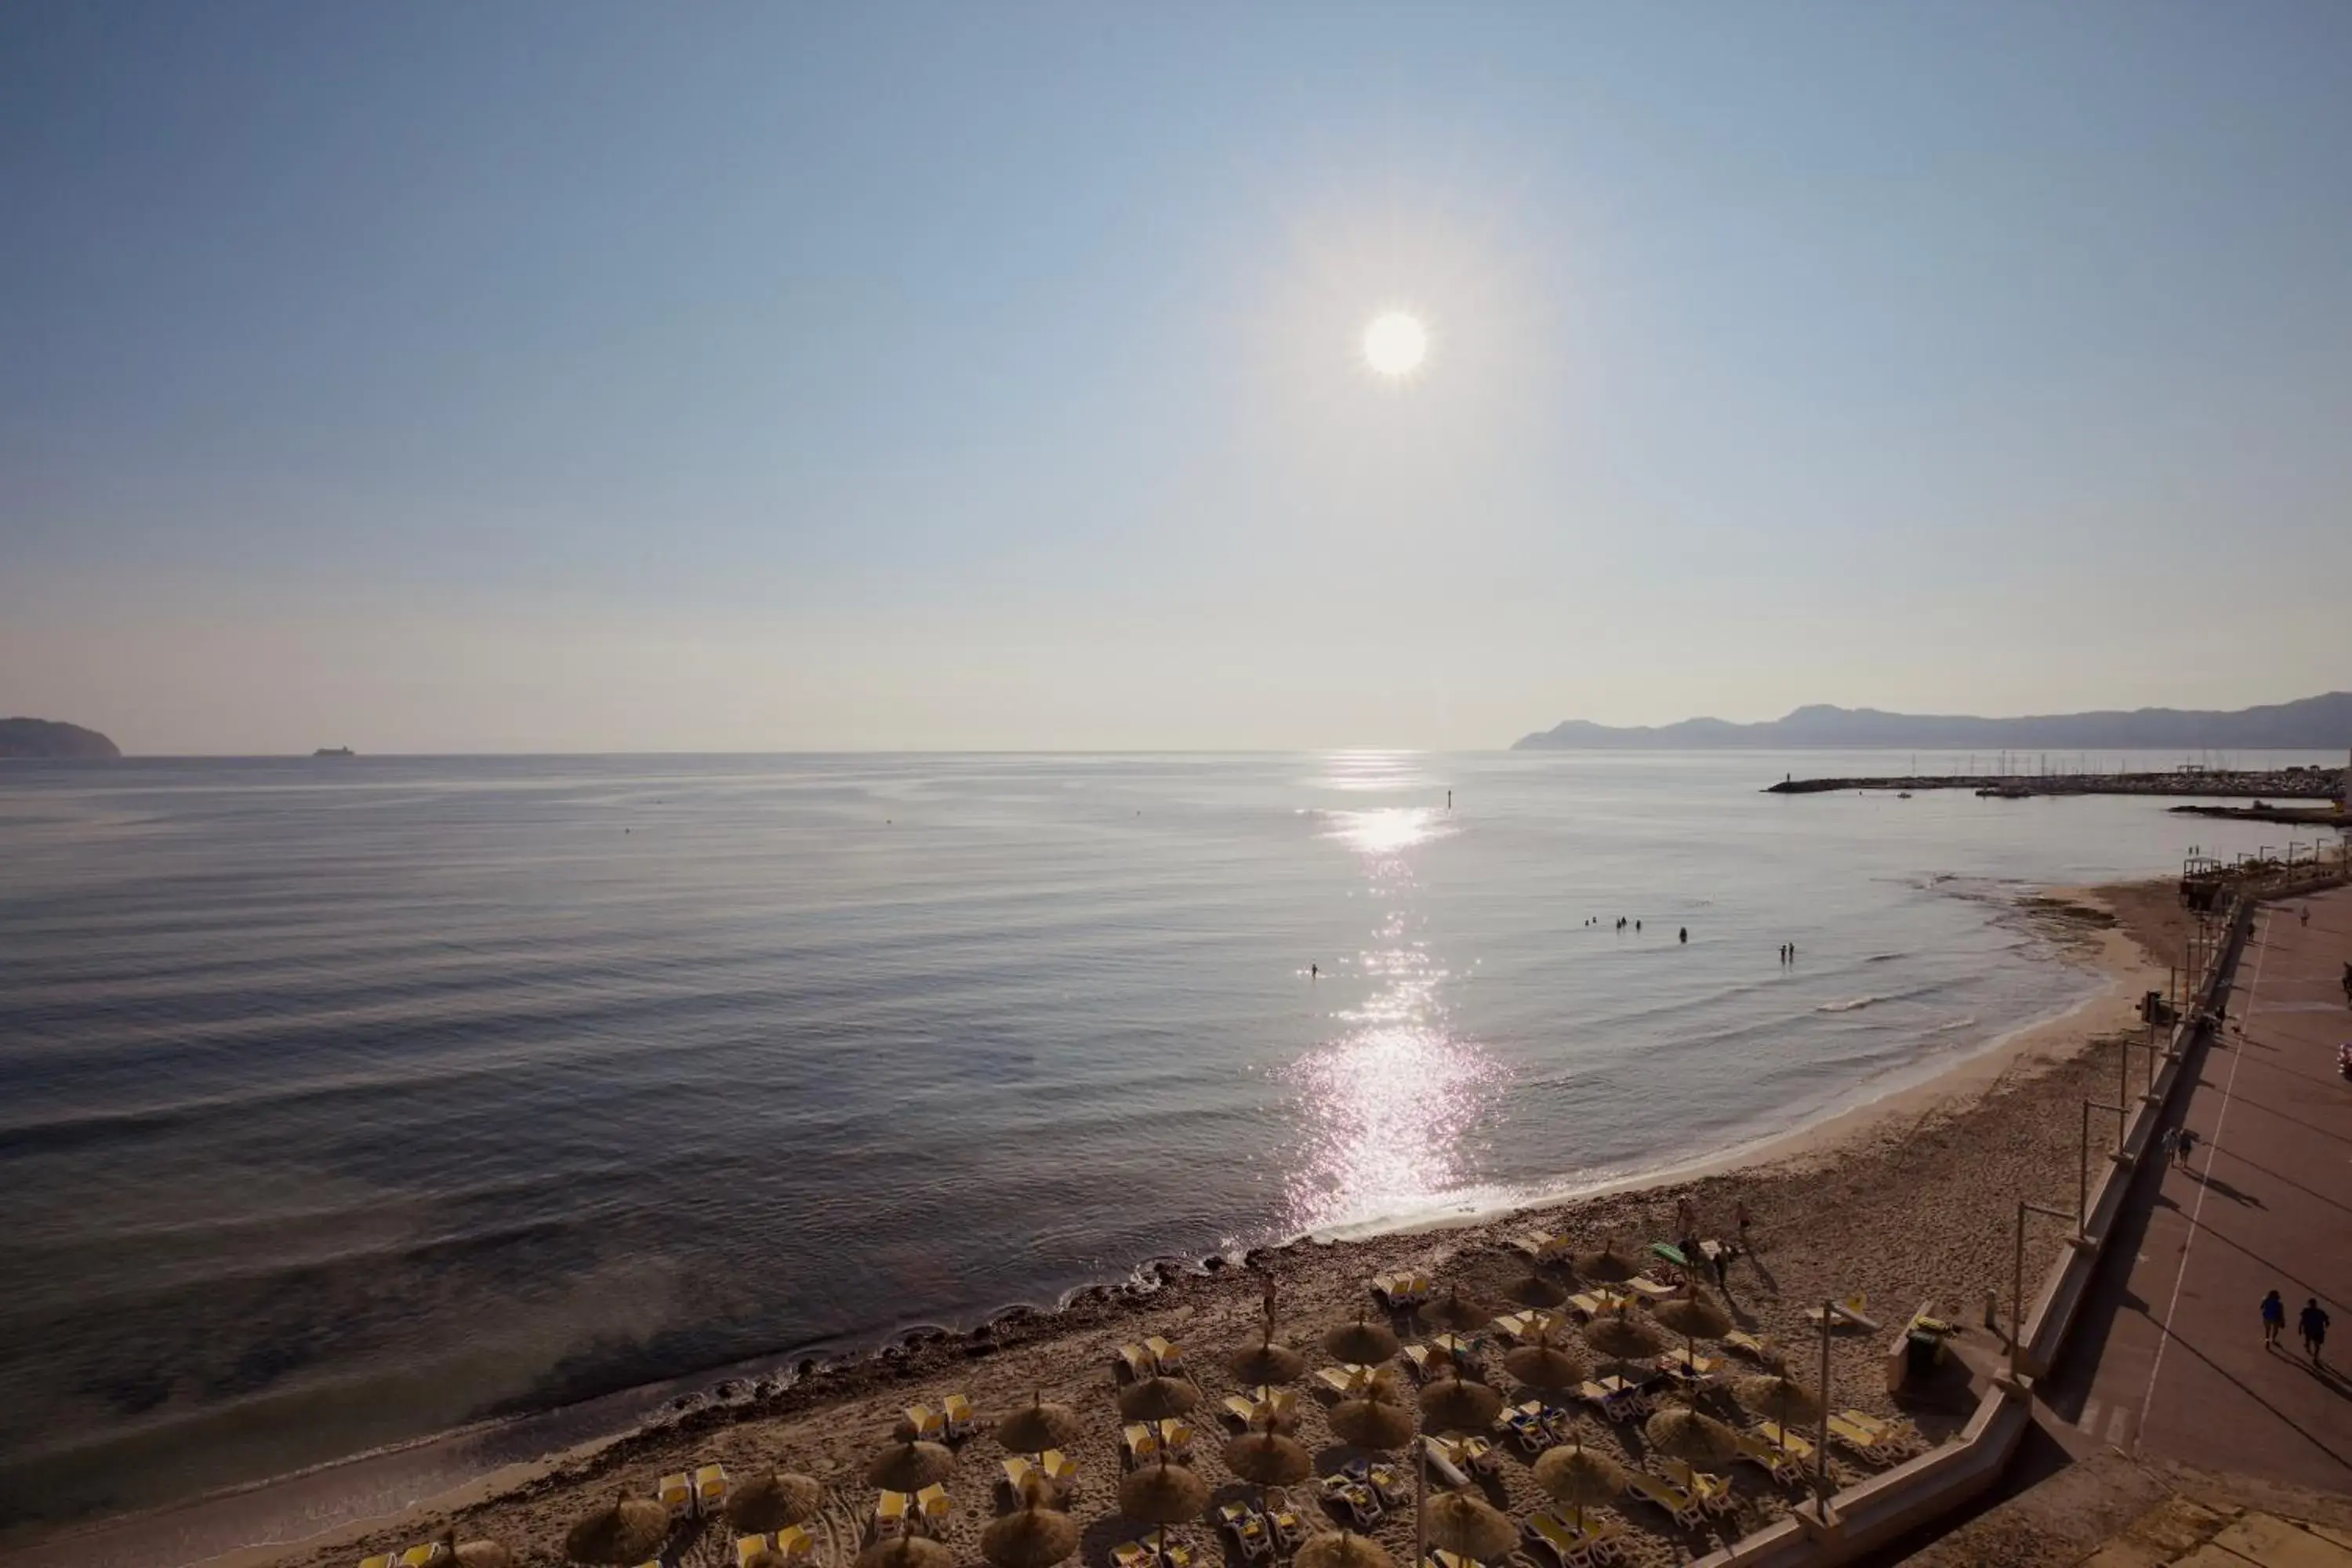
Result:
x=580 y=376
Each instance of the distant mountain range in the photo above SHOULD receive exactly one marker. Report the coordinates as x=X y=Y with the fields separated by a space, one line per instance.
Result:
x=29 y=738
x=2314 y=723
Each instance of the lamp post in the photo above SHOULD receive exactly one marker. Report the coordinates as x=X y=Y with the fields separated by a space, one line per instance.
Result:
x=2017 y=1296
x=1832 y=1312
x=2082 y=1188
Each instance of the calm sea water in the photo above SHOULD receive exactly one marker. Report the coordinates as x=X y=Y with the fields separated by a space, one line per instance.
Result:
x=341 y=1101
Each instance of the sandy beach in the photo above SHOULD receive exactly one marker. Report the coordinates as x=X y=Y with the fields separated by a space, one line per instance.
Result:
x=1907 y=1199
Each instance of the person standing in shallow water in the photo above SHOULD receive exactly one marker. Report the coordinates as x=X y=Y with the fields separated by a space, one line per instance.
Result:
x=1685 y=935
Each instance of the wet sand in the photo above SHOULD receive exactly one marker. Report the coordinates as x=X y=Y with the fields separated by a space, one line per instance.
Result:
x=1908 y=1200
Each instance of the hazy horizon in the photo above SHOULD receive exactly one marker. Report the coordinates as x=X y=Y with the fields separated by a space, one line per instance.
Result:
x=592 y=379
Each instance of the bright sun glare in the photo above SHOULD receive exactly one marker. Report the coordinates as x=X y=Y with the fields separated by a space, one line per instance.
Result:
x=1395 y=344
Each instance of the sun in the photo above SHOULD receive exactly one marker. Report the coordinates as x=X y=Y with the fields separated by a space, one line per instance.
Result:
x=1395 y=343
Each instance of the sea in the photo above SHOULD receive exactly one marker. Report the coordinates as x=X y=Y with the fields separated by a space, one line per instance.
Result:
x=344 y=1101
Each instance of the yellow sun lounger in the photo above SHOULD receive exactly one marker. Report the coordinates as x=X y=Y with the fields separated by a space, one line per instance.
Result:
x=1747 y=1345
x=675 y=1493
x=794 y=1543
x=934 y=1502
x=1169 y=1358
x=1855 y=1314
x=423 y=1555
x=929 y=1425
x=1130 y=1363
x=1347 y=1380
x=1783 y=1466
x=1682 y=1508
x=748 y=1547
x=1788 y=1442
x=1059 y=1469
x=957 y=1415
x=1863 y=1433
x=890 y=1511
x=710 y=1488
x=1713 y=1492
x=1649 y=1289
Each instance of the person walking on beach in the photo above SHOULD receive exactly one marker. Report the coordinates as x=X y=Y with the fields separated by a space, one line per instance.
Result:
x=2273 y=1319
x=2313 y=1324
x=1739 y=1221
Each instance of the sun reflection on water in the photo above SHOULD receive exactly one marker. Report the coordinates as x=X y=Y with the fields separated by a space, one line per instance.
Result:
x=1391 y=1108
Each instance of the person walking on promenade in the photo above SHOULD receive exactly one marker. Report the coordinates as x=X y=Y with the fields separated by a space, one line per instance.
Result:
x=2273 y=1319
x=2187 y=1143
x=2313 y=1323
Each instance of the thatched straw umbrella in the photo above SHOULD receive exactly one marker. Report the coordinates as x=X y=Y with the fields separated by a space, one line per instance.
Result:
x=1266 y=1363
x=1621 y=1338
x=1780 y=1396
x=1360 y=1343
x=1690 y=1436
x=1537 y=1292
x=907 y=1552
x=1163 y=1494
x=1694 y=1317
x=1545 y=1367
x=1037 y=1426
x=1455 y=1312
x=1378 y=1420
x=1343 y=1549
x=909 y=1467
x=1456 y=1404
x=1579 y=1477
x=477 y=1553
x=1029 y=1537
x=627 y=1530
x=1463 y=1524
x=773 y=1500
x=1268 y=1460
x=1157 y=1399
x=1608 y=1265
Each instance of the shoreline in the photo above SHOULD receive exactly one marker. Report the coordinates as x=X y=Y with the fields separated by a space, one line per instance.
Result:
x=524 y=1459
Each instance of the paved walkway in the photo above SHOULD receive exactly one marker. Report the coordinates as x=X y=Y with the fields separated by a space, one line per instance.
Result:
x=2168 y=1357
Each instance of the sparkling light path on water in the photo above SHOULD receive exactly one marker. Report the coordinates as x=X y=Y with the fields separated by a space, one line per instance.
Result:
x=1388 y=1110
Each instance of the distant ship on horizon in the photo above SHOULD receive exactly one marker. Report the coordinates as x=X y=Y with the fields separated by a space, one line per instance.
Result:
x=335 y=751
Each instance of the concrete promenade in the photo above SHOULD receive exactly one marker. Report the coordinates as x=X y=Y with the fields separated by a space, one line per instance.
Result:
x=2168 y=1357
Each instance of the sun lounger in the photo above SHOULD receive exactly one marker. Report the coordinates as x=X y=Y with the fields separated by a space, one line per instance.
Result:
x=1440 y=1558
x=1683 y=1363
x=795 y=1544
x=675 y=1493
x=709 y=1489
x=1747 y=1345
x=1526 y=1429
x=1401 y=1289
x=1060 y=1469
x=1791 y=1443
x=1785 y=1468
x=1423 y=1361
x=1244 y=1413
x=1556 y=1538
x=1018 y=1468
x=1713 y=1492
x=1855 y=1314
x=1389 y=1485
x=1649 y=1289
x=890 y=1511
x=748 y=1547
x=1138 y=1444
x=1165 y=1355
x=1130 y=1554
x=1616 y=1400
x=934 y=1502
x=1251 y=1537
x=926 y=1424
x=1130 y=1363
x=1176 y=1437
x=376 y=1560
x=1545 y=1247
x=423 y=1555
x=1865 y=1433
x=1679 y=1505
x=1177 y=1555
x=1290 y=1529
x=1347 y=1380
x=957 y=1415
x=1353 y=1499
